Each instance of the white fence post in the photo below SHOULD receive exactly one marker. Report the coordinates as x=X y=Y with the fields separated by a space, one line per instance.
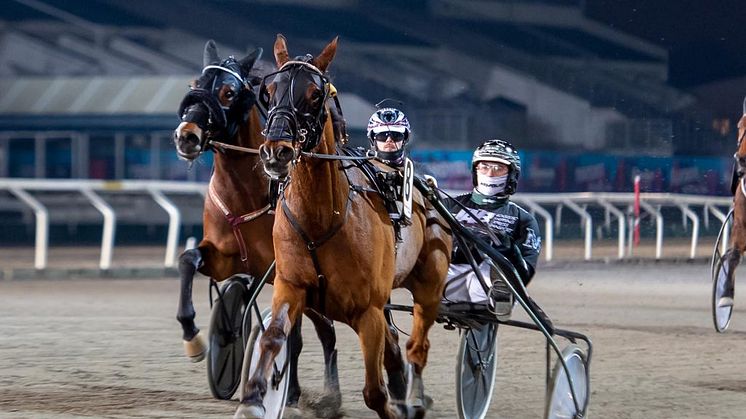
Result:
x=658 y=227
x=110 y=219
x=620 y=222
x=42 y=226
x=695 y=227
x=174 y=225
x=588 y=225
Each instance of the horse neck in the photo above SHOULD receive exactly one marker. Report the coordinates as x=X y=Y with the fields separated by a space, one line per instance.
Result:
x=238 y=177
x=319 y=190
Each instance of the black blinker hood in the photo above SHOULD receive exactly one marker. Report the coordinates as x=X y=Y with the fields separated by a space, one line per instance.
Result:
x=195 y=96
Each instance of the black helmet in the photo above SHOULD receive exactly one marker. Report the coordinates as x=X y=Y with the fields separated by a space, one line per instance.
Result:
x=499 y=151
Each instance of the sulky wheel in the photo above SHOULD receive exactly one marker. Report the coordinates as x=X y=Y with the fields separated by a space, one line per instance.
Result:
x=721 y=313
x=476 y=368
x=229 y=327
x=561 y=401
x=278 y=382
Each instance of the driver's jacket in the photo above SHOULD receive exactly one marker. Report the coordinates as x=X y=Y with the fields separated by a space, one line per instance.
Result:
x=503 y=217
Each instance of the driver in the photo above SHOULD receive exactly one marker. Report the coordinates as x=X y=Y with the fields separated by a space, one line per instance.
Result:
x=495 y=168
x=388 y=133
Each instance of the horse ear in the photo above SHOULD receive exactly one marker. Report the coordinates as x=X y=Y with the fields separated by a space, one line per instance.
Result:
x=327 y=55
x=247 y=62
x=210 y=56
x=281 y=50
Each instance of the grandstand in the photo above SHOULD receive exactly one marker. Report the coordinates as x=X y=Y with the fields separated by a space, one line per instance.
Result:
x=91 y=87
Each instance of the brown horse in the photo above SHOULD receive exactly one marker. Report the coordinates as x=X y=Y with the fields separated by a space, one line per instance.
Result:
x=738 y=231
x=335 y=245
x=219 y=114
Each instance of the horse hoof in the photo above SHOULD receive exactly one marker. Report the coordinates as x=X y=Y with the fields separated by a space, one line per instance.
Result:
x=293 y=413
x=196 y=348
x=418 y=412
x=249 y=411
x=408 y=411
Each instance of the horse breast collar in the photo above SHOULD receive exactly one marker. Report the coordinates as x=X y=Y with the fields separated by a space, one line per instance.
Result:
x=236 y=221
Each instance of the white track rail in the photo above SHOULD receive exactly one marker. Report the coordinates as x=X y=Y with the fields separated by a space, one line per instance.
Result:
x=24 y=189
x=617 y=204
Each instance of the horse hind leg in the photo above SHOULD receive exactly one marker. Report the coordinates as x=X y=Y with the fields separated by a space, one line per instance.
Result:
x=418 y=347
x=371 y=330
x=731 y=260
x=427 y=288
x=194 y=344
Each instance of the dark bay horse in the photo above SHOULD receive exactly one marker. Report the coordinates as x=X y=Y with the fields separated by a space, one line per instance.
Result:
x=219 y=114
x=738 y=231
x=335 y=245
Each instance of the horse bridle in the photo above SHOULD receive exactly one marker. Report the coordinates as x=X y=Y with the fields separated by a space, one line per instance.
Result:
x=218 y=118
x=305 y=128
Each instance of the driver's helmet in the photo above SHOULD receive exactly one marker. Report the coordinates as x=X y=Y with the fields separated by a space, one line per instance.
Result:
x=385 y=120
x=499 y=151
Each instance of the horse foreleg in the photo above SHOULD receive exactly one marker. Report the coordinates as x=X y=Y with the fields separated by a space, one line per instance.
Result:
x=194 y=345
x=330 y=403
x=371 y=330
x=392 y=360
x=287 y=303
x=295 y=340
x=328 y=338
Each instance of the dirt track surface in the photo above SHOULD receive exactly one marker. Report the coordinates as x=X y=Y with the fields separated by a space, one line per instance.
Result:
x=112 y=348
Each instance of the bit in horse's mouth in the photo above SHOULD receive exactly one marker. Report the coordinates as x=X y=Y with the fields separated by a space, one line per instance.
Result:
x=275 y=174
x=189 y=156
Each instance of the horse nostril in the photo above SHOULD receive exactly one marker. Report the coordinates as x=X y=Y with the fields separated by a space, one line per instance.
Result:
x=284 y=154
x=192 y=138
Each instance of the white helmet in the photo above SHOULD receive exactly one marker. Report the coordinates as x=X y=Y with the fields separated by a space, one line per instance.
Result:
x=385 y=120
x=388 y=119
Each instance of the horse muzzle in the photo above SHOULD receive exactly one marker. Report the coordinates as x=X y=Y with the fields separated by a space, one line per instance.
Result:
x=188 y=140
x=276 y=158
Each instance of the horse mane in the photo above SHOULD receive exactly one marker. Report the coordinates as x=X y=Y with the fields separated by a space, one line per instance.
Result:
x=338 y=123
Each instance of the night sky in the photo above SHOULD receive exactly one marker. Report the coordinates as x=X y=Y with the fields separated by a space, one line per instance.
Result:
x=706 y=39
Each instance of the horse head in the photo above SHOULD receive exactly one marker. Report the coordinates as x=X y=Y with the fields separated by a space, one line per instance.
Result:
x=217 y=103
x=740 y=155
x=295 y=96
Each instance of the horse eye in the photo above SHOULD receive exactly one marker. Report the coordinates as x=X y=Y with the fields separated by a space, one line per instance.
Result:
x=229 y=94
